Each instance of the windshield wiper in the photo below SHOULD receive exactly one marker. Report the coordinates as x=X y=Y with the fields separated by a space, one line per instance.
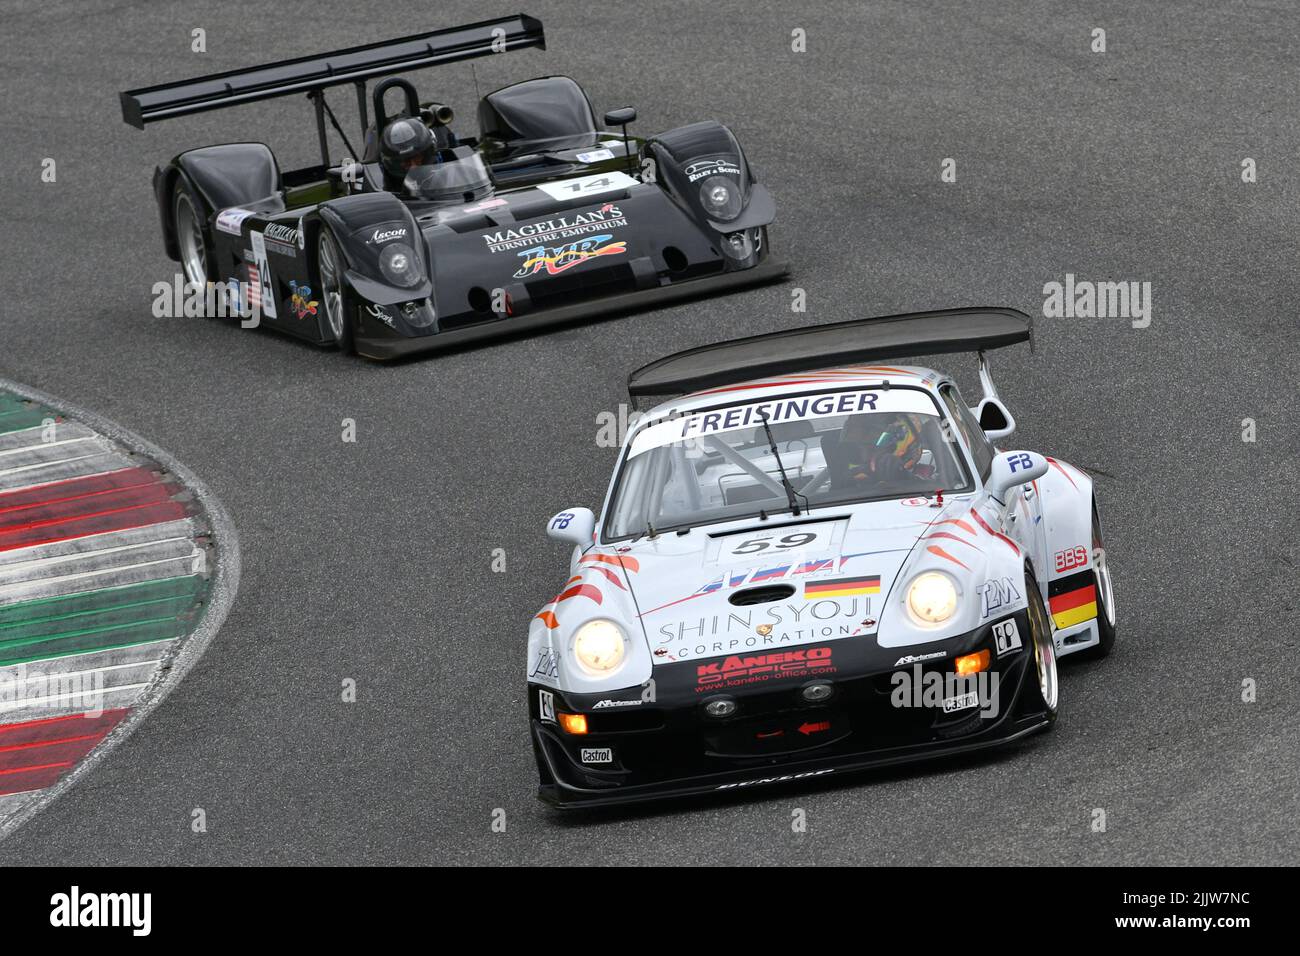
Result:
x=791 y=495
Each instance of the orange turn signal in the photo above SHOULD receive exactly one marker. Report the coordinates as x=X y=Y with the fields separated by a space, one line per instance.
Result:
x=577 y=723
x=972 y=663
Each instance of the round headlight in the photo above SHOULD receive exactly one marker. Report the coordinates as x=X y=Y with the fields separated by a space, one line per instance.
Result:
x=931 y=598
x=599 y=646
x=398 y=263
x=419 y=314
x=720 y=197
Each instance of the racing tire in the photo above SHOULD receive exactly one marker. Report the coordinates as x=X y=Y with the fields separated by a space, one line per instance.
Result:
x=195 y=249
x=339 y=308
x=1105 y=593
x=1042 y=683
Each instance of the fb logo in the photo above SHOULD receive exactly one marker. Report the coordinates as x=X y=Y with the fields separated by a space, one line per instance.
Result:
x=561 y=521
x=1020 y=462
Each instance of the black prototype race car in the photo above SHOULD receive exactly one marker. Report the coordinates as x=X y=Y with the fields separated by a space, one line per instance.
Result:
x=433 y=239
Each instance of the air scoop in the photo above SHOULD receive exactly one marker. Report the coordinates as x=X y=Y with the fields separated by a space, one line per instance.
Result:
x=764 y=595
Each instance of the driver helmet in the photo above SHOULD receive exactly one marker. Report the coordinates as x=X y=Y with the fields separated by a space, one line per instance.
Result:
x=883 y=449
x=405 y=144
x=901 y=440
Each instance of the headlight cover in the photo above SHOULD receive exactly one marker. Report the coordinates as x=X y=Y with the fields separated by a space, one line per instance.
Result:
x=721 y=198
x=931 y=599
x=400 y=265
x=599 y=647
x=419 y=315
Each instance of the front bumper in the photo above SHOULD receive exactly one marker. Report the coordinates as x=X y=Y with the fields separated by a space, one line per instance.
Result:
x=387 y=345
x=669 y=748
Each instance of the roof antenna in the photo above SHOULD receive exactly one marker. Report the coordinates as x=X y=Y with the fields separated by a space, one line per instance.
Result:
x=474 y=73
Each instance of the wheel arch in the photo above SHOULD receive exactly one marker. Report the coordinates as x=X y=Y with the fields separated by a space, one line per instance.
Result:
x=1066 y=494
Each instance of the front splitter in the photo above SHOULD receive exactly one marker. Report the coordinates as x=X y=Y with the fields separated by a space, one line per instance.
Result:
x=388 y=349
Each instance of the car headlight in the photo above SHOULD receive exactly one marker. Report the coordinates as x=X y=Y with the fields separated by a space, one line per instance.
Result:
x=931 y=598
x=399 y=264
x=720 y=197
x=599 y=647
x=419 y=315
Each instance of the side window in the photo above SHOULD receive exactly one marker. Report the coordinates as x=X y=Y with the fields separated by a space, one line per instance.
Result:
x=971 y=433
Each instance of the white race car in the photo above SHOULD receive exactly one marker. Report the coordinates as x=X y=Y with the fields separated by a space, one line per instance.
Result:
x=813 y=563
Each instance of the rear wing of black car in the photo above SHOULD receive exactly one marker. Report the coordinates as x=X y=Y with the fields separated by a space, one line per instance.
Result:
x=859 y=341
x=313 y=75
x=309 y=74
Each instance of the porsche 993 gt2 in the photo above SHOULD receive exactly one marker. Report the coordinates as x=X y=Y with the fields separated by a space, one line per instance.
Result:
x=815 y=562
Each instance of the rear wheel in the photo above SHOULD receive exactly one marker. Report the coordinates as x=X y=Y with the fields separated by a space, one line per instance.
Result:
x=187 y=220
x=1105 y=591
x=1043 y=685
x=338 y=314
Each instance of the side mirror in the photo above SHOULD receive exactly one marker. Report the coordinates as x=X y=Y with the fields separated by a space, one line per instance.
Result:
x=575 y=525
x=994 y=418
x=620 y=117
x=1011 y=468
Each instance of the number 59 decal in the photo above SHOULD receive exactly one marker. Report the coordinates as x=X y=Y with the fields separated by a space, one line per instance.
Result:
x=757 y=545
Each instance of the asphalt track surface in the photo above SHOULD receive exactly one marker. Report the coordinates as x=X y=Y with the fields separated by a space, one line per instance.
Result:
x=371 y=560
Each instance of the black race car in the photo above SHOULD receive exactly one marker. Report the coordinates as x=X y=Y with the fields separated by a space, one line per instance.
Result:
x=433 y=239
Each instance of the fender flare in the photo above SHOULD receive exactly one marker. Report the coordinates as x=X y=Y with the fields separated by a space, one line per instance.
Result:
x=1067 y=497
x=349 y=217
x=231 y=174
x=675 y=150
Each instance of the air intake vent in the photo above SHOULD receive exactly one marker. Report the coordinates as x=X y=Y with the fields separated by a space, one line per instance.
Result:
x=767 y=595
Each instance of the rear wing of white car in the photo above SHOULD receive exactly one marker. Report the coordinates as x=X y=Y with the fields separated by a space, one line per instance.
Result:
x=860 y=341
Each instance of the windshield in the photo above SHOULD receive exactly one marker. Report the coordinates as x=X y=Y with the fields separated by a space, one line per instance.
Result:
x=447 y=180
x=835 y=448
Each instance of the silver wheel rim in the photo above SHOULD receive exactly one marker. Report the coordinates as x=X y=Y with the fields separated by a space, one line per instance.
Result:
x=1044 y=655
x=1106 y=591
x=194 y=258
x=330 y=287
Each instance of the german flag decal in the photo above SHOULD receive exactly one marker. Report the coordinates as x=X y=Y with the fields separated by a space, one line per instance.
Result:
x=842 y=587
x=1072 y=599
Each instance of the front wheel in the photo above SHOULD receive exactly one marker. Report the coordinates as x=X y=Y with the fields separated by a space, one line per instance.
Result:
x=338 y=314
x=1043 y=684
x=187 y=221
x=1105 y=591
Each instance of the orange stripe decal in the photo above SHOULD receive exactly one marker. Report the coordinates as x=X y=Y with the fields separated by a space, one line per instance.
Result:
x=997 y=534
x=1057 y=465
x=961 y=524
x=953 y=537
x=630 y=564
x=614 y=579
x=935 y=549
x=581 y=590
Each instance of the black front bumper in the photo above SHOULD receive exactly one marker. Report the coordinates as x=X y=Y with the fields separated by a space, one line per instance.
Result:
x=670 y=749
x=389 y=345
